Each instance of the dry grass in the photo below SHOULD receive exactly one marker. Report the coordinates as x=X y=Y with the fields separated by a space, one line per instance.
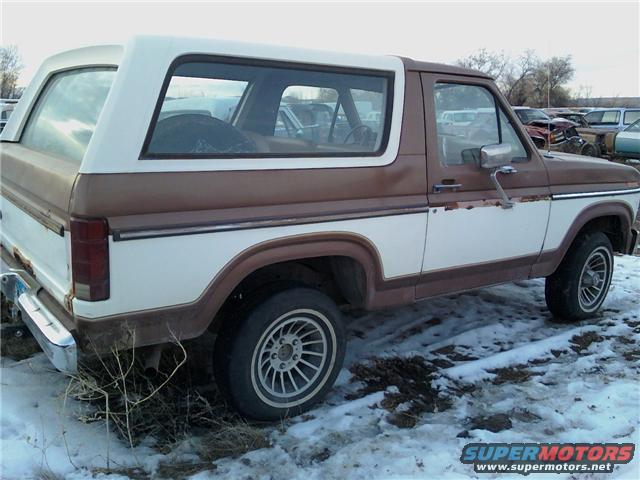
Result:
x=171 y=406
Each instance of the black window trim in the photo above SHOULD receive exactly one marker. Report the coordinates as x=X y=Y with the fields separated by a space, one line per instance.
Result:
x=206 y=58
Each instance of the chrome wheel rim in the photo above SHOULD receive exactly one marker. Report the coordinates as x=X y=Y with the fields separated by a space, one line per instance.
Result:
x=594 y=279
x=291 y=356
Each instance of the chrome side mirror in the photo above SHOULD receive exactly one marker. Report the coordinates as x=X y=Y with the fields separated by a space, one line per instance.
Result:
x=498 y=158
x=494 y=156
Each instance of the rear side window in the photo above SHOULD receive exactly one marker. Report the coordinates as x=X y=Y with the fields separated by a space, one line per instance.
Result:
x=215 y=109
x=66 y=113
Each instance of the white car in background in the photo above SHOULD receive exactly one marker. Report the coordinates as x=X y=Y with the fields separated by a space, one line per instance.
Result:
x=612 y=118
x=6 y=108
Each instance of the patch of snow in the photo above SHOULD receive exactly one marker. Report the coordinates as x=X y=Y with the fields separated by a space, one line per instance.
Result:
x=590 y=396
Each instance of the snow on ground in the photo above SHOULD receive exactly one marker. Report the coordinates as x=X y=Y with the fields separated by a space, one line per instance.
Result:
x=580 y=384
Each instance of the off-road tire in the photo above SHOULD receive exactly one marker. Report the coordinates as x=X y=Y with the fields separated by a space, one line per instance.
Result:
x=259 y=353
x=567 y=290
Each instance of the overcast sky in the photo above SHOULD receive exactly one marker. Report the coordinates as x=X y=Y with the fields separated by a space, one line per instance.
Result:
x=602 y=37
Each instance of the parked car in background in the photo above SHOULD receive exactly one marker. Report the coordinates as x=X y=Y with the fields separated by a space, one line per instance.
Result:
x=575 y=117
x=457 y=117
x=6 y=108
x=528 y=115
x=601 y=138
x=557 y=134
x=584 y=109
x=627 y=142
x=612 y=118
x=221 y=108
x=554 y=112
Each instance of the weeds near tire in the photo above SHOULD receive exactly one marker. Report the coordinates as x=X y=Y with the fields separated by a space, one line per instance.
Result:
x=169 y=406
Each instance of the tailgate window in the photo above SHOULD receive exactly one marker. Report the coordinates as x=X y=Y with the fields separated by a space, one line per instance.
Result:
x=66 y=113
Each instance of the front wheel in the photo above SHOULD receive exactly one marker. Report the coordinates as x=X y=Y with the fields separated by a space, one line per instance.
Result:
x=282 y=355
x=578 y=287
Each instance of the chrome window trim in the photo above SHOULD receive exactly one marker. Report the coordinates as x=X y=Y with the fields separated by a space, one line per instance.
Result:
x=606 y=193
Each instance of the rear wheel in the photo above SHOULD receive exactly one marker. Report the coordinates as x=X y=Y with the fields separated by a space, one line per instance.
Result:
x=578 y=287
x=282 y=355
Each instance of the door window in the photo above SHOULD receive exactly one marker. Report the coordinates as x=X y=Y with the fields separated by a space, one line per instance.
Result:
x=468 y=118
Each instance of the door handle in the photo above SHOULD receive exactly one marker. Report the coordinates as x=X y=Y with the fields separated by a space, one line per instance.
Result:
x=439 y=187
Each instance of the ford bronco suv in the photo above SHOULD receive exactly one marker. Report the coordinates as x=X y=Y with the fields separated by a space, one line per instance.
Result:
x=155 y=191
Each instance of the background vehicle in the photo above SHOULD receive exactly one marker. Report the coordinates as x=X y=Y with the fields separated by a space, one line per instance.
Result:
x=557 y=134
x=627 y=142
x=6 y=108
x=584 y=109
x=575 y=117
x=612 y=118
x=462 y=117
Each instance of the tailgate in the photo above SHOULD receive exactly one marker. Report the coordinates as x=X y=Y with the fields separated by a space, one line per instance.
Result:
x=34 y=221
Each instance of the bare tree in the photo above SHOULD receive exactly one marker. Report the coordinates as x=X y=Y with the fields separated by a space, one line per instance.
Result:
x=493 y=64
x=515 y=83
x=10 y=68
x=549 y=79
x=582 y=96
x=525 y=80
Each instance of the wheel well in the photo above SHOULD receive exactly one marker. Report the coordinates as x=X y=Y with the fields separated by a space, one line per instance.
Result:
x=611 y=226
x=341 y=278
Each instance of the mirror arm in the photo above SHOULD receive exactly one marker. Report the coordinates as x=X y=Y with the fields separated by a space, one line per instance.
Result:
x=505 y=201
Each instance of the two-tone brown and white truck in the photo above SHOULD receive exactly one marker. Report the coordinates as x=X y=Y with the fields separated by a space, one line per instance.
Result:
x=172 y=186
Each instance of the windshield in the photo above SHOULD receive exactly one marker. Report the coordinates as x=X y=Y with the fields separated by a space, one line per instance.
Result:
x=65 y=116
x=527 y=115
x=634 y=127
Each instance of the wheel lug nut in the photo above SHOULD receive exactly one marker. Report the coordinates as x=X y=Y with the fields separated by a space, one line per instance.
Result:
x=282 y=366
x=295 y=342
x=295 y=357
x=274 y=355
x=281 y=341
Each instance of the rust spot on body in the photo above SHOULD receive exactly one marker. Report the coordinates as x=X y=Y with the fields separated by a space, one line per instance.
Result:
x=23 y=261
x=68 y=302
x=534 y=198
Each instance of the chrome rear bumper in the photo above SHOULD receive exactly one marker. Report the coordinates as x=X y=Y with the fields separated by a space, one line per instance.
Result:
x=52 y=336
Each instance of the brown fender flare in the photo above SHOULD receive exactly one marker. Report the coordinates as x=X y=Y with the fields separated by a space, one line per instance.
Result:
x=297 y=247
x=549 y=261
x=192 y=319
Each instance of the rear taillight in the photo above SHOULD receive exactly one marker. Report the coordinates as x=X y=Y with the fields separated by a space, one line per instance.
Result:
x=90 y=258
